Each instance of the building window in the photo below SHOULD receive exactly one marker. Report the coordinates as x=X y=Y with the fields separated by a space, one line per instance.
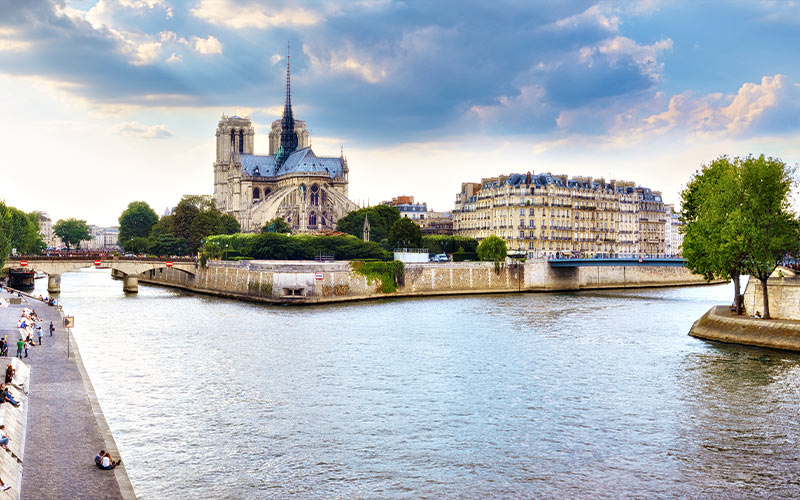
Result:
x=256 y=193
x=312 y=219
x=314 y=195
x=241 y=141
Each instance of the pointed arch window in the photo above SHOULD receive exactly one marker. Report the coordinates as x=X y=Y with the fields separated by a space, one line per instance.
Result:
x=256 y=193
x=315 y=195
x=312 y=219
x=241 y=141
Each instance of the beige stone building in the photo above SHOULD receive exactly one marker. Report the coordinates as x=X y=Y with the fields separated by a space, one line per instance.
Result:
x=308 y=191
x=545 y=214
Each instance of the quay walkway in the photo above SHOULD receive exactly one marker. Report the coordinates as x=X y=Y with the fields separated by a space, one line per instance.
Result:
x=65 y=425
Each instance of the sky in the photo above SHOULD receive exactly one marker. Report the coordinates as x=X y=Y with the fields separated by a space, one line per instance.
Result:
x=104 y=102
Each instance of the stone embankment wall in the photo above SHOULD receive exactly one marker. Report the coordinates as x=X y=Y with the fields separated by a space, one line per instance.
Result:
x=721 y=325
x=784 y=295
x=314 y=282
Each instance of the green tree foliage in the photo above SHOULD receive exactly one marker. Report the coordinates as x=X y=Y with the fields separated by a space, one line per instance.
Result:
x=72 y=231
x=136 y=221
x=439 y=243
x=276 y=225
x=390 y=274
x=137 y=244
x=183 y=217
x=492 y=248
x=162 y=227
x=277 y=246
x=738 y=220
x=767 y=225
x=229 y=224
x=167 y=244
x=25 y=235
x=405 y=233
x=5 y=233
x=711 y=210
x=381 y=219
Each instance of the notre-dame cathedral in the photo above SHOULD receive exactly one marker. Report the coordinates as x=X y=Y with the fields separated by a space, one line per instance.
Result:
x=308 y=191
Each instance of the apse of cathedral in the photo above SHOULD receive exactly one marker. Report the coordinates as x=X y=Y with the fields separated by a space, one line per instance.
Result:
x=308 y=191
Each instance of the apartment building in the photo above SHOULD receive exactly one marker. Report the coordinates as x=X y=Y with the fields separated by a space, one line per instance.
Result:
x=546 y=215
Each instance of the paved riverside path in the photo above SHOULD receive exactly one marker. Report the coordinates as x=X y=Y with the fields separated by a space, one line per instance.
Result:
x=63 y=434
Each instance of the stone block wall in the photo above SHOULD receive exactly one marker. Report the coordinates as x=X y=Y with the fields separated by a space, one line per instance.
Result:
x=784 y=297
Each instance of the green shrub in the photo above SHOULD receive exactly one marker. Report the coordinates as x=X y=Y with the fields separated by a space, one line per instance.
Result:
x=278 y=246
x=462 y=256
x=438 y=243
x=390 y=274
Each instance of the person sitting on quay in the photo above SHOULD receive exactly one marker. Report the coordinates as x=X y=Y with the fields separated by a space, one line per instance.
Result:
x=108 y=463
x=98 y=459
x=6 y=396
x=4 y=439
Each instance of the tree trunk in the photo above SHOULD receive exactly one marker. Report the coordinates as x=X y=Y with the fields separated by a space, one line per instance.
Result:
x=766 y=297
x=737 y=296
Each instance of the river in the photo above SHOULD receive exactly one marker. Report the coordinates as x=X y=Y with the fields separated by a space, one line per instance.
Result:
x=568 y=395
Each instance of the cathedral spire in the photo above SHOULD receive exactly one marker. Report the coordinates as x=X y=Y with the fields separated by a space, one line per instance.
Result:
x=288 y=135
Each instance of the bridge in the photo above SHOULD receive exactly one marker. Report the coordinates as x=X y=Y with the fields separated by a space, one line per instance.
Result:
x=130 y=268
x=634 y=261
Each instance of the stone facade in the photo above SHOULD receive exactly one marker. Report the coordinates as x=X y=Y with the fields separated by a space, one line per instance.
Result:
x=546 y=214
x=308 y=191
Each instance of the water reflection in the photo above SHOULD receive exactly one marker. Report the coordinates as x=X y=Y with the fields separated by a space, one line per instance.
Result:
x=585 y=395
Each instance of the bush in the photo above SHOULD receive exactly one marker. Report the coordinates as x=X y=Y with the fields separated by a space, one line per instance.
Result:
x=462 y=256
x=278 y=246
x=389 y=273
x=493 y=248
x=438 y=243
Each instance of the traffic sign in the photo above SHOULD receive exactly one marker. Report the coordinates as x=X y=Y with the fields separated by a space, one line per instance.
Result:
x=23 y=263
x=97 y=263
x=69 y=321
x=319 y=276
x=169 y=264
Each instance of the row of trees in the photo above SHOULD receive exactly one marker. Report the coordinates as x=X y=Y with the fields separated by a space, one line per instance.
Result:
x=278 y=246
x=182 y=233
x=738 y=220
x=19 y=231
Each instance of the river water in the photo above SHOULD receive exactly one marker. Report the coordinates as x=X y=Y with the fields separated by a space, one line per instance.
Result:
x=567 y=395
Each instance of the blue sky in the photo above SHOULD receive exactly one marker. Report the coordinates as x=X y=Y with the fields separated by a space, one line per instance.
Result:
x=109 y=101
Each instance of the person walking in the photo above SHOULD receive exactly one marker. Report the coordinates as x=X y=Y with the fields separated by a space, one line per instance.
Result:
x=39 y=333
x=20 y=347
x=52 y=328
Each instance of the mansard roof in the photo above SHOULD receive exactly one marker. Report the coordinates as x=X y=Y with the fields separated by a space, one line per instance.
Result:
x=301 y=161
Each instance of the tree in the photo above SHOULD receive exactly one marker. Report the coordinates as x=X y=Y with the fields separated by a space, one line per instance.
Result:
x=711 y=210
x=492 y=248
x=405 y=233
x=183 y=217
x=167 y=244
x=381 y=219
x=136 y=221
x=162 y=227
x=276 y=225
x=768 y=227
x=229 y=223
x=5 y=233
x=205 y=223
x=24 y=230
x=71 y=231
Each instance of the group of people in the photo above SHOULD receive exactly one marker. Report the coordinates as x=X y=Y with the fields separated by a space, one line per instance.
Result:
x=29 y=326
x=104 y=461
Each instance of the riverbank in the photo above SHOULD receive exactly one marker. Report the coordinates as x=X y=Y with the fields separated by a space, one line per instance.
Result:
x=66 y=424
x=722 y=325
x=310 y=282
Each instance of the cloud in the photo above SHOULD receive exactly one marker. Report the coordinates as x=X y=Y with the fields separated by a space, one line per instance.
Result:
x=252 y=15
x=757 y=109
x=136 y=129
x=207 y=46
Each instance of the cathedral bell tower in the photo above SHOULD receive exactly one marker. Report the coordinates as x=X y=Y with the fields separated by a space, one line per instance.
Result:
x=288 y=134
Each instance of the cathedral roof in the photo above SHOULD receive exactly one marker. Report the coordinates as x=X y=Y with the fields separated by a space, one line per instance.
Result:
x=301 y=161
